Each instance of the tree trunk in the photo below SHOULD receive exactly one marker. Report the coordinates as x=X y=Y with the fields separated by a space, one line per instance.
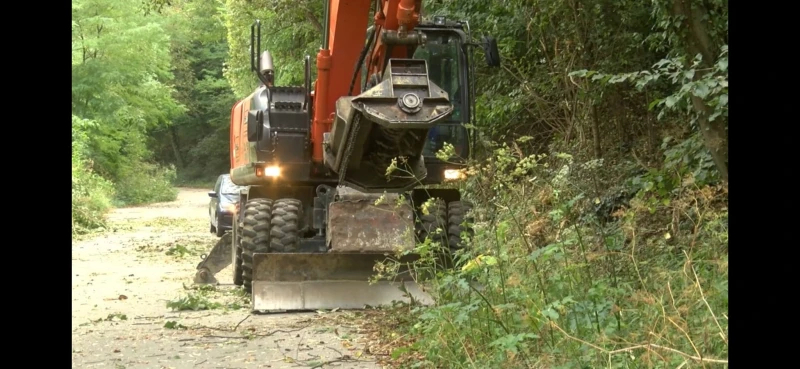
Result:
x=698 y=41
x=173 y=140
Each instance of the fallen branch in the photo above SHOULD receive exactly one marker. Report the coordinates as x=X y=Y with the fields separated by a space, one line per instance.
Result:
x=281 y=331
x=223 y=329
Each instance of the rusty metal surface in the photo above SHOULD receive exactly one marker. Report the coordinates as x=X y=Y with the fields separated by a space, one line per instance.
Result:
x=303 y=281
x=217 y=259
x=362 y=226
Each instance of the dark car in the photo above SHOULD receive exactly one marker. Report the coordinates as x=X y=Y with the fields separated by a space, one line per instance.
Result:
x=221 y=207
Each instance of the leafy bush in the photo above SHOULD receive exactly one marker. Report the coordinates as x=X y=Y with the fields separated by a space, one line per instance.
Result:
x=577 y=276
x=145 y=183
x=91 y=193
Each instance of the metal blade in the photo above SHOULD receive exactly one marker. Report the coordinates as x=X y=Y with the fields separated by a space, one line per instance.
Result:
x=313 y=281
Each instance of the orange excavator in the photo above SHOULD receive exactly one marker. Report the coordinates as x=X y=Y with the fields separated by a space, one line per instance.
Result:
x=335 y=175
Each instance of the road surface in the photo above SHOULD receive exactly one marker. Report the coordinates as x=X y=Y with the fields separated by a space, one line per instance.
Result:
x=124 y=280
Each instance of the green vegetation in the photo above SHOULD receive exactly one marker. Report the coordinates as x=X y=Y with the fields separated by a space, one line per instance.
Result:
x=601 y=226
x=149 y=103
x=599 y=182
x=208 y=297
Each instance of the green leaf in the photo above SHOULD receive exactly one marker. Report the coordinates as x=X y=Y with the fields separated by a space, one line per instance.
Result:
x=723 y=99
x=579 y=73
x=396 y=353
x=701 y=90
x=618 y=78
x=671 y=101
x=550 y=313
x=722 y=64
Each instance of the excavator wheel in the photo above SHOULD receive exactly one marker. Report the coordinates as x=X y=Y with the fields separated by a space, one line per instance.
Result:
x=435 y=219
x=238 y=276
x=458 y=212
x=255 y=236
x=237 y=262
x=284 y=233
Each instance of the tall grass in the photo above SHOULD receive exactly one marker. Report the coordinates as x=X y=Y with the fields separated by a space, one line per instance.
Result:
x=579 y=273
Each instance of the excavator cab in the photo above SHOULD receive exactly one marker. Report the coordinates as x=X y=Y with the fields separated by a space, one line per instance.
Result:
x=448 y=54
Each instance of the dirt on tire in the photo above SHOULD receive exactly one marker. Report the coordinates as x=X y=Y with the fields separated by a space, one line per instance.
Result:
x=134 y=304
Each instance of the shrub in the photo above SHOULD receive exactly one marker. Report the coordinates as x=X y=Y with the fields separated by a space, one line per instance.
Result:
x=145 y=183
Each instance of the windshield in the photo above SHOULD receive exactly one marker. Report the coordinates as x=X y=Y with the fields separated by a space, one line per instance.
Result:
x=442 y=52
x=454 y=134
x=228 y=187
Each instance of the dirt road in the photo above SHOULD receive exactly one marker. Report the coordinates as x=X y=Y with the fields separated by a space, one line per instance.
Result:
x=124 y=280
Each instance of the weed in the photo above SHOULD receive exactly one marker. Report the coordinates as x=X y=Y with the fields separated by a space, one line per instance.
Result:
x=574 y=278
x=179 y=251
x=112 y=317
x=193 y=302
x=171 y=324
x=209 y=297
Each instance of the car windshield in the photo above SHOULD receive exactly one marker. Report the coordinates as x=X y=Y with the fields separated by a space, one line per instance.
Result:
x=229 y=187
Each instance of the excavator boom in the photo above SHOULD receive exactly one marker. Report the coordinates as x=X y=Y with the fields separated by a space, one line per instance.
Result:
x=386 y=125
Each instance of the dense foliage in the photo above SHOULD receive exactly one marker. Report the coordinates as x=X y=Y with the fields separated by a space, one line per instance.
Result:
x=600 y=184
x=121 y=90
x=601 y=224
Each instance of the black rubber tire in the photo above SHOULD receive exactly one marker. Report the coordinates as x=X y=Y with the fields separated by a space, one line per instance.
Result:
x=212 y=230
x=255 y=236
x=436 y=218
x=287 y=217
x=219 y=231
x=237 y=261
x=238 y=275
x=457 y=213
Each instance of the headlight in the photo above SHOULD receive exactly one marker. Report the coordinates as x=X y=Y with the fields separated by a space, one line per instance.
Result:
x=452 y=174
x=272 y=171
x=230 y=208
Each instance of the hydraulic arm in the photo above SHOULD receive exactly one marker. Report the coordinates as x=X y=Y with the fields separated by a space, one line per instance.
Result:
x=386 y=125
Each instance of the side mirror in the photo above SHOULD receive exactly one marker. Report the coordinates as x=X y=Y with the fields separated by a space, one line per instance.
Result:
x=489 y=45
x=255 y=125
x=212 y=194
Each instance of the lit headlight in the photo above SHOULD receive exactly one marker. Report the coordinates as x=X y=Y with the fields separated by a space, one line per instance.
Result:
x=451 y=174
x=272 y=171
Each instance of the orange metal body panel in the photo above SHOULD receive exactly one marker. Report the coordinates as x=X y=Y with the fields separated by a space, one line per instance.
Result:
x=348 y=23
x=348 y=29
x=239 y=145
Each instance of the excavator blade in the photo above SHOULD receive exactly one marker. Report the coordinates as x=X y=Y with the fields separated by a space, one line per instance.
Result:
x=322 y=281
x=217 y=259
